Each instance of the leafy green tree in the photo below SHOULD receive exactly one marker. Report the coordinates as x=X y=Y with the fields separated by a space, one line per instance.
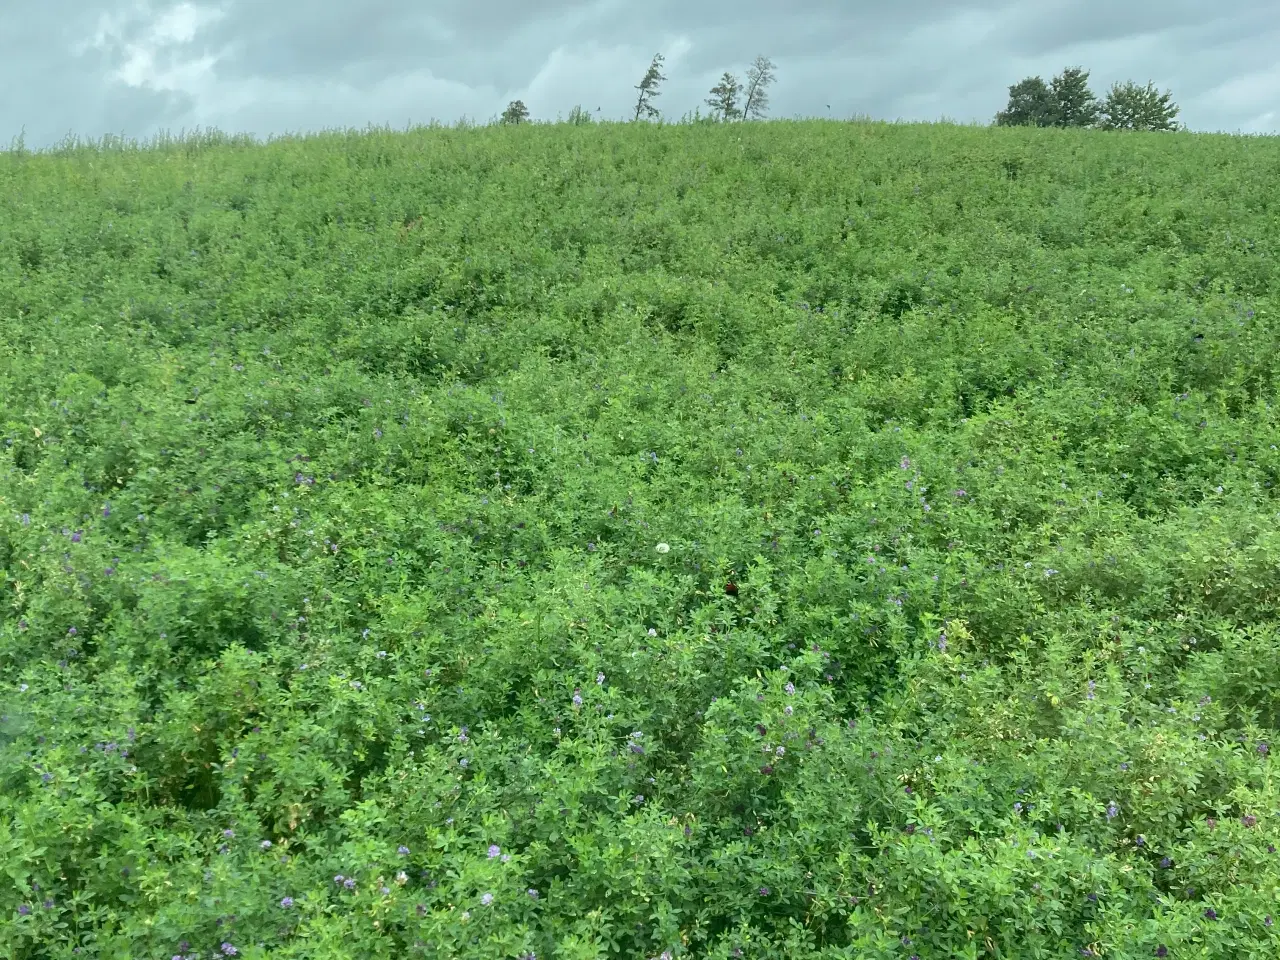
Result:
x=648 y=88
x=1073 y=102
x=758 y=79
x=1066 y=101
x=724 y=97
x=1131 y=107
x=579 y=116
x=1030 y=104
x=516 y=112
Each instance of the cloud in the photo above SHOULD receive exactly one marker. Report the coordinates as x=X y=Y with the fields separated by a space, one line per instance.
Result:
x=141 y=66
x=158 y=59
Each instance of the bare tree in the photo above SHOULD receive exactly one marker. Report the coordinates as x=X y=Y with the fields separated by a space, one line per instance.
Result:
x=648 y=88
x=724 y=97
x=758 y=79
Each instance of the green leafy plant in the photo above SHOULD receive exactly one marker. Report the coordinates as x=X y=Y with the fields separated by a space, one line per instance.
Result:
x=612 y=545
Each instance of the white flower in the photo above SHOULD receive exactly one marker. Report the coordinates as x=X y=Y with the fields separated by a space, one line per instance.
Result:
x=664 y=548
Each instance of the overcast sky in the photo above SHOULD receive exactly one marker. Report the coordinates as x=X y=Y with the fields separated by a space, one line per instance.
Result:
x=137 y=67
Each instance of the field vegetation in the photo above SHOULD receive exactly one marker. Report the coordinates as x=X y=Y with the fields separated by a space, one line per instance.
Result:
x=773 y=540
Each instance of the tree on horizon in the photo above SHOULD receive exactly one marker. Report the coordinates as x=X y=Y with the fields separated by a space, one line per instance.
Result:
x=758 y=79
x=724 y=97
x=516 y=112
x=1073 y=102
x=648 y=88
x=1129 y=106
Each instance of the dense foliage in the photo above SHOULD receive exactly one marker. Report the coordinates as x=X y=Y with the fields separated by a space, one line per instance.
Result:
x=1067 y=101
x=795 y=540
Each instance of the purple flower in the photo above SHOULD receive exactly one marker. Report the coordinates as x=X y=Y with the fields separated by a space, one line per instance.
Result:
x=486 y=899
x=577 y=697
x=229 y=950
x=339 y=878
x=494 y=851
x=764 y=891
x=1162 y=951
x=1211 y=914
x=1249 y=820
x=1266 y=921
x=790 y=688
x=599 y=678
x=403 y=851
x=75 y=537
x=23 y=910
x=266 y=844
x=106 y=510
x=349 y=883
x=1263 y=749
x=287 y=902
x=71 y=632
x=1112 y=810
x=533 y=894
x=1140 y=840
x=1165 y=863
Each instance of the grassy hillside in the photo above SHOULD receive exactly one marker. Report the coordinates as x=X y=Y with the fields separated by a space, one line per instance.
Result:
x=778 y=540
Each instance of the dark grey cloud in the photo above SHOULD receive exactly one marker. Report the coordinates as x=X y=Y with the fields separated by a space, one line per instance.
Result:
x=136 y=67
